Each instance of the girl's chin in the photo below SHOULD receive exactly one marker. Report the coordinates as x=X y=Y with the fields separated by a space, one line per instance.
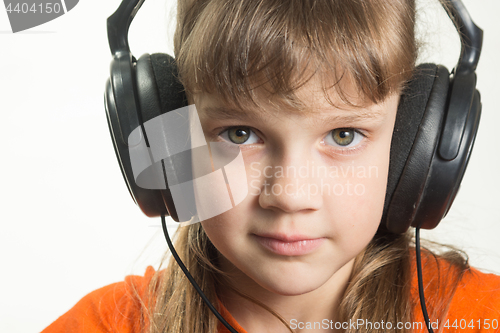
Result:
x=284 y=289
x=288 y=284
x=293 y=279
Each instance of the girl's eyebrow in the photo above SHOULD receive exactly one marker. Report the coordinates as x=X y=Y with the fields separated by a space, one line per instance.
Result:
x=224 y=113
x=346 y=117
x=351 y=116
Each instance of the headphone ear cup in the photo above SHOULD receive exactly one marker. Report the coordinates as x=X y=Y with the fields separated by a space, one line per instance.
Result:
x=415 y=137
x=123 y=115
x=136 y=92
x=159 y=92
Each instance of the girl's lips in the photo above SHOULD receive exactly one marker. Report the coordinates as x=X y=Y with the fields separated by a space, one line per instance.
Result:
x=297 y=247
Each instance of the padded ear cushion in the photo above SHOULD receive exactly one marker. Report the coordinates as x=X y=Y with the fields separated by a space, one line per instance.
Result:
x=171 y=91
x=416 y=133
x=159 y=88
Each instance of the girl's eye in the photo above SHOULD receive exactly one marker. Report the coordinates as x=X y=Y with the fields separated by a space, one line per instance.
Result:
x=344 y=137
x=239 y=135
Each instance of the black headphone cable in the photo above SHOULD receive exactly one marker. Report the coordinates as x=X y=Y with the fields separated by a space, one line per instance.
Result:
x=190 y=278
x=420 y=282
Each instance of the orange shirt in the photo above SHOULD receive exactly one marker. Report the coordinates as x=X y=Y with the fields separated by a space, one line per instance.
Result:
x=475 y=306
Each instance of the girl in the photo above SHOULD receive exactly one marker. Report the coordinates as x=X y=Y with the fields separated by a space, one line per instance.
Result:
x=309 y=91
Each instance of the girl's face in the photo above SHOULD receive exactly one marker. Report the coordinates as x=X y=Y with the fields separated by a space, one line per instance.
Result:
x=317 y=183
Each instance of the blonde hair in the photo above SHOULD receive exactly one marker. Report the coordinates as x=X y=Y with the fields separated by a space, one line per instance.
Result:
x=233 y=48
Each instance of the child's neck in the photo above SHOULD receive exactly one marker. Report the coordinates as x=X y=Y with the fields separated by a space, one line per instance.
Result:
x=319 y=305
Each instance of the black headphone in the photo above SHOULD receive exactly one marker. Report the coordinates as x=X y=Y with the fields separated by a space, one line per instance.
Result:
x=435 y=129
x=436 y=125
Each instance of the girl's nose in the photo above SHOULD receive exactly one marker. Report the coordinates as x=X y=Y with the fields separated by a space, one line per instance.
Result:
x=291 y=186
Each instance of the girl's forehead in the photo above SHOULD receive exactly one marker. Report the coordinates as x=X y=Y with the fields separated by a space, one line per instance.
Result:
x=317 y=98
x=315 y=106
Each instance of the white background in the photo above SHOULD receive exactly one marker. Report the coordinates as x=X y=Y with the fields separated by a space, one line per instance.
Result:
x=68 y=224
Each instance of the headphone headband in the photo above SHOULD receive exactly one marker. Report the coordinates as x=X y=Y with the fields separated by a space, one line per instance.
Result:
x=118 y=24
x=471 y=36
